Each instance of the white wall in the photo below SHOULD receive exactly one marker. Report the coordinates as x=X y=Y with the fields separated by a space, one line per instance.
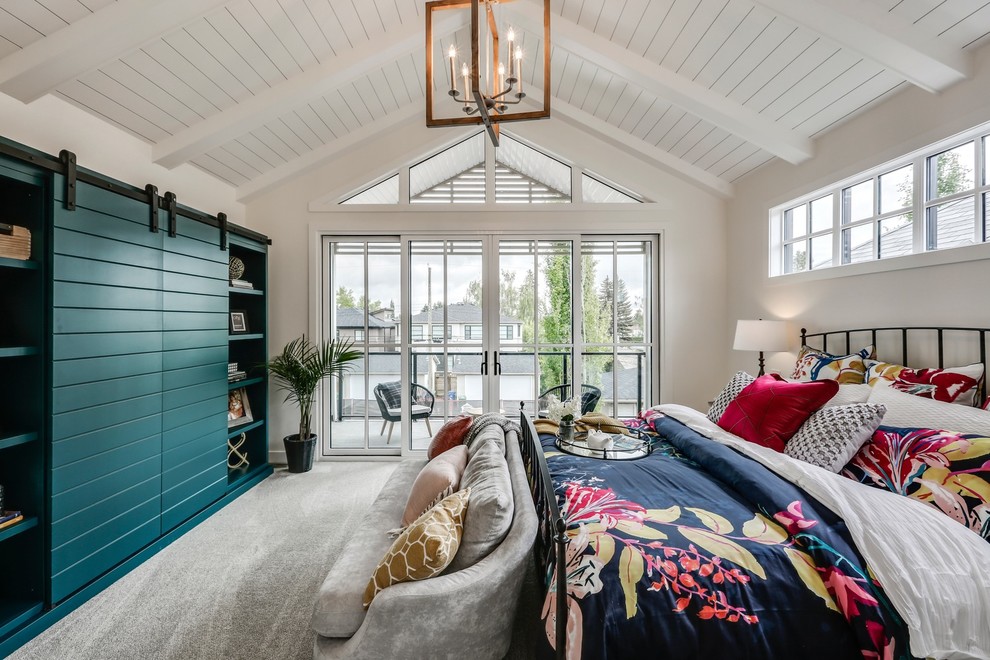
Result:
x=51 y=124
x=690 y=220
x=926 y=293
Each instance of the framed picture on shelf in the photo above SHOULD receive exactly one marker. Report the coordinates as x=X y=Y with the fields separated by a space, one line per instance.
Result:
x=238 y=322
x=238 y=408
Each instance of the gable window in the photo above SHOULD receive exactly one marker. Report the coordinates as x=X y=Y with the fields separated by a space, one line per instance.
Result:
x=522 y=175
x=453 y=176
x=505 y=331
x=386 y=192
x=596 y=191
x=934 y=199
x=525 y=175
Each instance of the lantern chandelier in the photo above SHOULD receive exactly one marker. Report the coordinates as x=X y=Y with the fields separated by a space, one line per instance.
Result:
x=485 y=86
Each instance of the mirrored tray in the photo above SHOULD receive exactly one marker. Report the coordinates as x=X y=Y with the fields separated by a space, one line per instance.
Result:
x=624 y=447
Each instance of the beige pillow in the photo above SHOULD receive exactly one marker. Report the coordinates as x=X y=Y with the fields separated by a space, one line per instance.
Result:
x=424 y=549
x=490 y=516
x=438 y=479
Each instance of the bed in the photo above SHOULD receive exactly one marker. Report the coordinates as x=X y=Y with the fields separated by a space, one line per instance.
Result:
x=713 y=546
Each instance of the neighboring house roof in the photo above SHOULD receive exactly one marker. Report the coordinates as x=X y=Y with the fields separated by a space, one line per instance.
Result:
x=458 y=313
x=955 y=227
x=348 y=317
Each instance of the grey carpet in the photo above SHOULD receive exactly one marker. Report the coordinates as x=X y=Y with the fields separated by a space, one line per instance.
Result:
x=240 y=585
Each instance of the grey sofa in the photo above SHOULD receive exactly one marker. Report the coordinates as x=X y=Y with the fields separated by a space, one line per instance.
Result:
x=464 y=614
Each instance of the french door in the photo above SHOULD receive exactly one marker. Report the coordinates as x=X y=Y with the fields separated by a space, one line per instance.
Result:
x=480 y=323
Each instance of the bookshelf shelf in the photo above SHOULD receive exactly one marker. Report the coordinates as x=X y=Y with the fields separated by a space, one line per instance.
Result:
x=14 y=530
x=246 y=337
x=17 y=351
x=244 y=428
x=12 y=440
x=15 y=612
x=245 y=292
x=238 y=476
x=23 y=264
x=244 y=383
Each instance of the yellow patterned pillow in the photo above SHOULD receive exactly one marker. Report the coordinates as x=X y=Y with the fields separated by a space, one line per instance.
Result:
x=813 y=364
x=424 y=548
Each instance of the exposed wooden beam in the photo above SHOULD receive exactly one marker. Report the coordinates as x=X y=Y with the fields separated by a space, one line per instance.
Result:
x=671 y=87
x=415 y=111
x=103 y=36
x=296 y=91
x=616 y=136
x=880 y=36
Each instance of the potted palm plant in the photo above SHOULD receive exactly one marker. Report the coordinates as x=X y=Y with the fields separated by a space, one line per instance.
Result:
x=299 y=369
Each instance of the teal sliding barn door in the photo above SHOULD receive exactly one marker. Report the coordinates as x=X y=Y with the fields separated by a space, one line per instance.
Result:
x=107 y=322
x=139 y=427
x=194 y=439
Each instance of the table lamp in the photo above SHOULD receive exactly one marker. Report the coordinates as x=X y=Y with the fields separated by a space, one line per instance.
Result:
x=762 y=336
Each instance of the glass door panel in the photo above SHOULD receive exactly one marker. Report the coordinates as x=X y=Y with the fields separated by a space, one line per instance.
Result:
x=617 y=322
x=535 y=319
x=364 y=296
x=446 y=329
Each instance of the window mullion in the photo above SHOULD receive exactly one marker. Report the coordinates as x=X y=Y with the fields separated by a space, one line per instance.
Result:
x=919 y=221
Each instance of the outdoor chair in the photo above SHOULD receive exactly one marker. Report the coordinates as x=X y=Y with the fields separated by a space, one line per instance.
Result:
x=389 y=398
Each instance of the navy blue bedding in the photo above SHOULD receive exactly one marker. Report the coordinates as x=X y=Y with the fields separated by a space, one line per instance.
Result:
x=697 y=551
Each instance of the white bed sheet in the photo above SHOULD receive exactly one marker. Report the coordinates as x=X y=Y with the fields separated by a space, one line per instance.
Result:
x=935 y=571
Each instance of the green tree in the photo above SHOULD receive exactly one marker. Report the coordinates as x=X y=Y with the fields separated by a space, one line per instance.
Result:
x=618 y=297
x=346 y=299
x=555 y=320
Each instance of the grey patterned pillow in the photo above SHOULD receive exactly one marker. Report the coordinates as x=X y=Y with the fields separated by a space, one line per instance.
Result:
x=732 y=389
x=833 y=435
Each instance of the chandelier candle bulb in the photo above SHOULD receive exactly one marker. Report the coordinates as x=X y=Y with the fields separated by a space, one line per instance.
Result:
x=512 y=39
x=453 y=77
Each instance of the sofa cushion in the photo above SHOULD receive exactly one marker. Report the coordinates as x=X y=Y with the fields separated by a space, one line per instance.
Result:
x=492 y=434
x=490 y=515
x=424 y=548
x=338 y=611
x=440 y=478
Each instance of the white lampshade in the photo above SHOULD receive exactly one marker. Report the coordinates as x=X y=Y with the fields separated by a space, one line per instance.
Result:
x=760 y=335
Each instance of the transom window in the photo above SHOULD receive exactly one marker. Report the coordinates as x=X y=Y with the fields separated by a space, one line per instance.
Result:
x=460 y=173
x=934 y=199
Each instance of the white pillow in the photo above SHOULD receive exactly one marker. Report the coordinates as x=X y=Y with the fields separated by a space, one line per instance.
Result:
x=833 y=435
x=850 y=393
x=910 y=411
x=731 y=390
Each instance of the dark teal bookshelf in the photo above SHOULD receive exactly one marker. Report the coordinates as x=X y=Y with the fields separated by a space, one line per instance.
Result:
x=25 y=201
x=250 y=352
x=114 y=349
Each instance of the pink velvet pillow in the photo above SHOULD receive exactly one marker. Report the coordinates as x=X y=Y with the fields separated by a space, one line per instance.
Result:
x=770 y=410
x=438 y=479
x=450 y=435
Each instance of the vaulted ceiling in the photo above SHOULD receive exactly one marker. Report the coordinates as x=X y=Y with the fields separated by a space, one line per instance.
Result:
x=257 y=91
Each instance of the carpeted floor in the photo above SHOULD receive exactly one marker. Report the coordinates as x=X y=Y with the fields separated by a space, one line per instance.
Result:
x=241 y=585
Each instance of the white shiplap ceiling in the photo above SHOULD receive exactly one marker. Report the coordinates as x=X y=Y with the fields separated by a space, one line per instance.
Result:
x=255 y=91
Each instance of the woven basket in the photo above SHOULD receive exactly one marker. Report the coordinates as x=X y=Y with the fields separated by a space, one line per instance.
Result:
x=15 y=242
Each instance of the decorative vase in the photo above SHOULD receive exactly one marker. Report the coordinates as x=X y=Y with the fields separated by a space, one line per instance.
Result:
x=299 y=453
x=567 y=431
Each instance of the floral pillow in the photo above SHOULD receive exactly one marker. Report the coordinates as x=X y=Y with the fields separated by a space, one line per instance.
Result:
x=947 y=470
x=951 y=385
x=813 y=364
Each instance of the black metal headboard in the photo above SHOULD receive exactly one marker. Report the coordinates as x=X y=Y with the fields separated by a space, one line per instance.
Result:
x=917 y=346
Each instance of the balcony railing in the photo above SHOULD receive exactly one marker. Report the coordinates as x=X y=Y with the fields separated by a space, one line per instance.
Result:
x=627 y=402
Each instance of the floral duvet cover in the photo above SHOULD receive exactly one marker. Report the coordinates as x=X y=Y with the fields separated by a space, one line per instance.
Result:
x=697 y=551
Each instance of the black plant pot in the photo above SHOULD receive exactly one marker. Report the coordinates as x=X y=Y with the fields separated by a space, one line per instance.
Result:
x=299 y=453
